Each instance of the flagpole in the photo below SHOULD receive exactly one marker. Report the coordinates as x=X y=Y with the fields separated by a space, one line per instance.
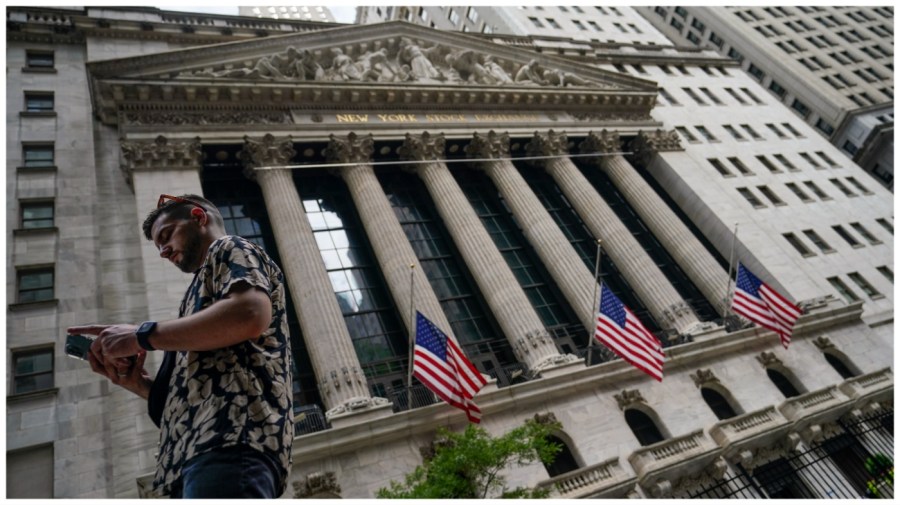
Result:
x=730 y=269
x=594 y=302
x=412 y=334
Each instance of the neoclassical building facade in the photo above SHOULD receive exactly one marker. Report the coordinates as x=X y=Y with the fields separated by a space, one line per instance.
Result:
x=392 y=168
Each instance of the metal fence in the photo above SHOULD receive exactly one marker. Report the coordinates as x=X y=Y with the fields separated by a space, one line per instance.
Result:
x=858 y=463
x=309 y=419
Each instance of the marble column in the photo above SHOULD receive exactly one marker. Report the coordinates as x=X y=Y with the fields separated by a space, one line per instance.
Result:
x=647 y=280
x=709 y=277
x=391 y=246
x=509 y=304
x=340 y=378
x=574 y=279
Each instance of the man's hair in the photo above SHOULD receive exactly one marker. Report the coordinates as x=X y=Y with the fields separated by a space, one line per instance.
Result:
x=182 y=210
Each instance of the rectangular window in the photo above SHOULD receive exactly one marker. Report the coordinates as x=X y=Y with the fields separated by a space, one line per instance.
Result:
x=691 y=93
x=578 y=24
x=472 y=14
x=850 y=239
x=684 y=132
x=678 y=25
x=681 y=12
x=739 y=165
x=756 y=72
x=42 y=60
x=776 y=131
x=812 y=161
x=864 y=285
x=38 y=155
x=38 y=101
x=817 y=190
x=750 y=197
x=886 y=272
x=786 y=163
x=716 y=40
x=818 y=241
x=792 y=130
x=768 y=193
x=706 y=133
x=799 y=192
x=800 y=107
x=537 y=22
x=736 y=96
x=824 y=127
x=768 y=164
x=719 y=167
x=735 y=55
x=595 y=26
x=733 y=132
x=37 y=215
x=32 y=370
x=752 y=96
x=798 y=245
x=635 y=28
x=750 y=131
x=552 y=22
x=866 y=234
x=35 y=285
x=639 y=68
x=826 y=159
x=844 y=189
x=864 y=190
x=711 y=96
x=842 y=288
x=696 y=23
x=668 y=96
x=453 y=16
x=692 y=37
x=777 y=89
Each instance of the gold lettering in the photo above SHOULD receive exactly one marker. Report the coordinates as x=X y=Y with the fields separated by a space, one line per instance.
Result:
x=444 y=117
x=352 y=118
x=398 y=118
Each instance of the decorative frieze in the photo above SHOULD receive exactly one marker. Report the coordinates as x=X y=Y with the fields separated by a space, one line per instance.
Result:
x=317 y=485
x=178 y=118
x=161 y=153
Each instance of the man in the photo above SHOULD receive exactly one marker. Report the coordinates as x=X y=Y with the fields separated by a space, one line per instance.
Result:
x=222 y=396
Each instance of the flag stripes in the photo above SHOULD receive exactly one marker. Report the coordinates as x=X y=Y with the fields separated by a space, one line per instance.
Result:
x=759 y=303
x=622 y=332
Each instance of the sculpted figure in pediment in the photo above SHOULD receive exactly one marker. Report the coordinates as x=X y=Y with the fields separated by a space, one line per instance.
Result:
x=473 y=67
x=281 y=65
x=531 y=74
x=375 y=66
x=563 y=79
x=307 y=68
x=496 y=71
x=343 y=68
x=419 y=60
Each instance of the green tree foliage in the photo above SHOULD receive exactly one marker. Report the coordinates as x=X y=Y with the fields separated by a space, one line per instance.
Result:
x=468 y=464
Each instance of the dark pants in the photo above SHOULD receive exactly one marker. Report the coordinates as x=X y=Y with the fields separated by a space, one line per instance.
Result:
x=231 y=472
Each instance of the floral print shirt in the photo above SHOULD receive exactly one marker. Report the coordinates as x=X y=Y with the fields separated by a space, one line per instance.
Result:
x=237 y=395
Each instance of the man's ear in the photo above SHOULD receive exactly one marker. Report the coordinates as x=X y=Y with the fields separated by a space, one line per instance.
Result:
x=200 y=215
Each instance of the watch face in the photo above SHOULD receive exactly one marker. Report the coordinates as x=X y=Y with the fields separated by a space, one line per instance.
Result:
x=147 y=327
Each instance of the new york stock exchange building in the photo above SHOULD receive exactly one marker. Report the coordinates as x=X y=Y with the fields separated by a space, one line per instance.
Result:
x=391 y=168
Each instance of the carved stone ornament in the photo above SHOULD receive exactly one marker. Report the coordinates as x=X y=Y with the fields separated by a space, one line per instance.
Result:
x=317 y=485
x=611 y=116
x=177 y=118
x=492 y=145
x=647 y=144
x=546 y=418
x=823 y=343
x=424 y=147
x=768 y=359
x=161 y=153
x=350 y=149
x=356 y=405
x=407 y=61
x=707 y=478
x=675 y=311
x=547 y=144
x=703 y=377
x=266 y=152
x=629 y=398
x=603 y=142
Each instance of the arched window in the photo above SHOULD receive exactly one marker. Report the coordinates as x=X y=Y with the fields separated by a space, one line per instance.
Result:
x=717 y=403
x=782 y=383
x=643 y=427
x=839 y=365
x=564 y=461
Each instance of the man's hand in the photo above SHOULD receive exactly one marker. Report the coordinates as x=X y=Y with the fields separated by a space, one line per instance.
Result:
x=113 y=341
x=126 y=372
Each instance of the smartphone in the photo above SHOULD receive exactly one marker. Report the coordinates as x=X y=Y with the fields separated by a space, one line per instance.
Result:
x=78 y=346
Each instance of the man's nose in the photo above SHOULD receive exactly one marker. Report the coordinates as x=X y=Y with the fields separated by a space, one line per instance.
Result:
x=165 y=252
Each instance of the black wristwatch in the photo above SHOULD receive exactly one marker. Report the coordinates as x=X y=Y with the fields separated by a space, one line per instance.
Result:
x=143 y=335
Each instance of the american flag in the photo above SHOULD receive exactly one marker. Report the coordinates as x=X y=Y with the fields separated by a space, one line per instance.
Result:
x=620 y=330
x=763 y=305
x=442 y=367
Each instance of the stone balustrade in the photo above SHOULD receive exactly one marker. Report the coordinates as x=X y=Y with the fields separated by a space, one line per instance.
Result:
x=753 y=429
x=814 y=402
x=606 y=479
x=672 y=456
x=874 y=386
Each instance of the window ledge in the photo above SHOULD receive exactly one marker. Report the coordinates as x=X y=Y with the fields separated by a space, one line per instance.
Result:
x=38 y=70
x=858 y=246
x=14 y=307
x=21 y=397
x=829 y=251
x=49 y=169
x=26 y=113
x=35 y=231
x=808 y=255
x=876 y=297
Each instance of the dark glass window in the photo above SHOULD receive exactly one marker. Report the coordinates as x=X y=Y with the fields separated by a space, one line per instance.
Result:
x=38 y=102
x=32 y=370
x=35 y=156
x=37 y=215
x=717 y=403
x=35 y=285
x=782 y=383
x=780 y=480
x=38 y=59
x=839 y=366
x=643 y=427
x=564 y=461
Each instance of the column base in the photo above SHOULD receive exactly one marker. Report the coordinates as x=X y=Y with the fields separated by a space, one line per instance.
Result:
x=556 y=365
x=359 y=410
x=705 y=331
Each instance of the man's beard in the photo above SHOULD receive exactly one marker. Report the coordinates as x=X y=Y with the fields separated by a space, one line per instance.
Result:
x=190 y=254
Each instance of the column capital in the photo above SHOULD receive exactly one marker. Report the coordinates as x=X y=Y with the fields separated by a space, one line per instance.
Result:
x=161 y=154
x=424 y=147
x=550 y=143
x=647 y=144
x=492 y=145
x=603 y=142
x=266 y=152
x=351 y=148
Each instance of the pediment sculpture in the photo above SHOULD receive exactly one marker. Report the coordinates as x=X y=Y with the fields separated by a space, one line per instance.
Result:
x=410 y=61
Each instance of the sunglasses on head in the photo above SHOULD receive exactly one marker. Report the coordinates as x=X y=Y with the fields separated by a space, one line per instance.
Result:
x=177 y=199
